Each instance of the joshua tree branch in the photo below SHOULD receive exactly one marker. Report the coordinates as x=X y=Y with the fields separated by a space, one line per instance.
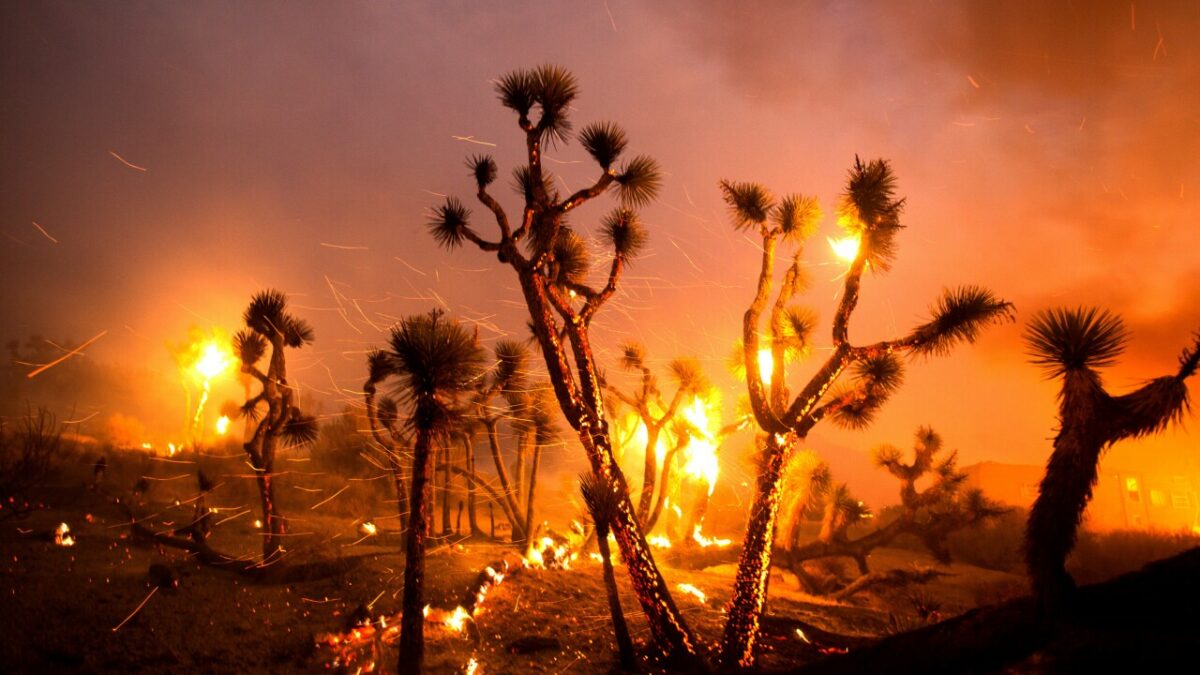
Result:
x=581 y=196
x=759 y=403
x=497 y=210
x=841 y=320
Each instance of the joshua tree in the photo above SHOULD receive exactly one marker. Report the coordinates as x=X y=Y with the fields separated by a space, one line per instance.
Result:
x=1072 y=345
x=550 y=261
x=602 y=498
x=657 y=415
x=931 y=514
x=268 y=323
x=437 y=362
x=870 y=212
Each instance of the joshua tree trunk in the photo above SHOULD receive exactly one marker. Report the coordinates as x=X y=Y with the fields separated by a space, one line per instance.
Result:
x=446 y=529
x=754 y=567
x=469 y=460
x=412 y=624
x=533 y=472
x=620 y=628
x=510 y=504
x=649 y=476
x=274 y=525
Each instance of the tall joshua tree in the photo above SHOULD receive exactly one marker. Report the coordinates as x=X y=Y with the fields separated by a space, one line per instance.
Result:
x=269 y=324
x=656 y=414
x=870 y=212
x=550 y=261
x=602 y=498
x=437 y=362
x=1072 y=344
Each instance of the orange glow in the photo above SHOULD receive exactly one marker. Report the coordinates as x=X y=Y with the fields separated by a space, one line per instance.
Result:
x=846 y=248
x=766 y=364
x=62 y=535
x=222 y=426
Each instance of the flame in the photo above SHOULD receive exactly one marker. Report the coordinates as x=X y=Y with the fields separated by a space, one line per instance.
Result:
x=222 y=426
x=457 y=619
x=766 y=364
x=702 y=450
x=694 y=592
x=171 y=449
x=708 y=541
x=368 y=528
x=659 y=541
x=472 y=667
x=147 y=445
x=845 y=249
x=62 y=536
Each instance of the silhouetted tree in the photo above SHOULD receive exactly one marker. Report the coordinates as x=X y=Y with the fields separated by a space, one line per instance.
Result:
x=437 y=362
x=869 y=211
x=551 y=264
x=930 y=514
x=269 y=324
x=1072 y=344
x=602 y=498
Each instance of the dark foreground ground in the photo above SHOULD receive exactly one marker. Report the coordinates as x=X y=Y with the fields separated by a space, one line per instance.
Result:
x=62 y=608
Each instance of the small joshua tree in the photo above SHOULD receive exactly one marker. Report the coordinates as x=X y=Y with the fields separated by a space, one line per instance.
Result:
x=870 y=212
x=1072 y=345
x=269 y=324
x=550 y=261
x=437 y=362
x=930 y=515
x=601 y=498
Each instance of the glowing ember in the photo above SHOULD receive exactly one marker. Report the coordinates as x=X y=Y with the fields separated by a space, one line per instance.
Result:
x=258 y=524
x=222 y=426
x=709 y=541
x=368 y=528
x=694 y=592
x=62 y=536
x=845 y=248
x=800 y=634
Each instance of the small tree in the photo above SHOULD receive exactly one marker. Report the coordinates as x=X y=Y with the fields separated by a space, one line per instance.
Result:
x=269 y=324
x=552 y=271
x=657 y=415
x=870 y=212
x=437 y=362
x=602 y=498
x=930 y=515
x=1073 y=345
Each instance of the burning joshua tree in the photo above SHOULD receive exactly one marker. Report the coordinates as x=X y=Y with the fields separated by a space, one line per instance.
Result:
x=870 y=213
x=654 y=416
x=550 y=261
x=1072 y=345
x=269 y=324
x=437 y=362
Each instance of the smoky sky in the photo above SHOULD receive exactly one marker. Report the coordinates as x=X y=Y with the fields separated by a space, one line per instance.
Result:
x=185 y=156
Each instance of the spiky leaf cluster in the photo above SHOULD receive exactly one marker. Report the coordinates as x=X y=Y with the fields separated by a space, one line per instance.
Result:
x=639 y=181
x=511 y=359
x=958 y=316
x=437 y=360
x=250 y=346
x=448 y=223
x=523 y=184
x=300 y=429
x=797 y=216
x=689 y=375
x=604 y=141
x=483 y=168
x=551 y=88
x=875 y=379
x=601 y=497
x=267 y=315
x=869 y=209
x=1064 y=340
x=749 y=204
x=623 y=231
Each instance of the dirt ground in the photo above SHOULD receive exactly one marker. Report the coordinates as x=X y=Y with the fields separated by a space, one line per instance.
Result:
x=63 y=608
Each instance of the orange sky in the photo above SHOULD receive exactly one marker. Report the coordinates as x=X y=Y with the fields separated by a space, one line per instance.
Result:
x=1047 y=151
